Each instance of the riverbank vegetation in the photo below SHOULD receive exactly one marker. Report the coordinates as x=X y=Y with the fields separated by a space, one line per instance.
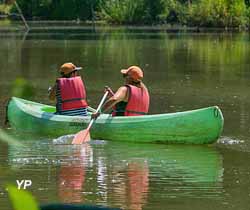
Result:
x=201 y=13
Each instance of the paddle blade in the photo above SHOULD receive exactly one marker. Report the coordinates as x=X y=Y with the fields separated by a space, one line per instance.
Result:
x=82 y=136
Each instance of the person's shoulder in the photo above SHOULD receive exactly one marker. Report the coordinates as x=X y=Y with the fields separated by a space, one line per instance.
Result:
x=122 y=89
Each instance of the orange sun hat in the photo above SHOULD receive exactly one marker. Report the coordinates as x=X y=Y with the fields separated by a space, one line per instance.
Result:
x=67 y=68
x=134 y=72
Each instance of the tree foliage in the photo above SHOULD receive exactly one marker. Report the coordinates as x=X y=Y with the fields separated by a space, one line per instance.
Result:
x=58 y=9
x=209 y=13
x=122 y=11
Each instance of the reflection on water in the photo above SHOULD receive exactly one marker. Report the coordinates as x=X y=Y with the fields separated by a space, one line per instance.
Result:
x=120 y=175
x=71 y=176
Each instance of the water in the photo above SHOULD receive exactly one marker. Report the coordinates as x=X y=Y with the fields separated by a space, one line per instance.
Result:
x=127 y=175
x=183 y=71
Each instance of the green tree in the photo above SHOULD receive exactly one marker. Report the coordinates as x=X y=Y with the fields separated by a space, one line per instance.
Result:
x=206 y=13
x=177 y=11
x=237 y=11
x=58 y=9
x=219 y=13
x=156 y=10
x=63 y=10
x=123 y=11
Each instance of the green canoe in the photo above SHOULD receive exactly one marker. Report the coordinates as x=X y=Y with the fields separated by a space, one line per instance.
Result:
x=201 y=126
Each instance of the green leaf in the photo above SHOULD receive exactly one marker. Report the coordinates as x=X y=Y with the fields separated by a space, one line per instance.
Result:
x=9 y=139
x=22 y=200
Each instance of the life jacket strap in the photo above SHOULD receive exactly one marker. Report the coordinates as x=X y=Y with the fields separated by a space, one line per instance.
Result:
x=73 y=99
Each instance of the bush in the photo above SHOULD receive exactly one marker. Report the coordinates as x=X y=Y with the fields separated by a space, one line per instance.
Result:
x=212 y=13
x=206 y=13
x=248 y=16
x=156 y=11
x=58 y=9
x=219 y=13
x=34 y=8
x=238 y=13
x=123 y=11
x=4 y=9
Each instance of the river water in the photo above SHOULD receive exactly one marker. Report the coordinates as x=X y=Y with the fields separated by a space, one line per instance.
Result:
x=183 y=71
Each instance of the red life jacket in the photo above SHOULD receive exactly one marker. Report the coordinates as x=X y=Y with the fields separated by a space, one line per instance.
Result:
x=138 y=102
x=72 y=92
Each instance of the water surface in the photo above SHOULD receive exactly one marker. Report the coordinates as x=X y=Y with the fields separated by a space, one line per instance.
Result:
x=183 y=71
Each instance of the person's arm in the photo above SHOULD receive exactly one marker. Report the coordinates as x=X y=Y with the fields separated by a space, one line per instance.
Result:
x=52 y=93
x=120 y=95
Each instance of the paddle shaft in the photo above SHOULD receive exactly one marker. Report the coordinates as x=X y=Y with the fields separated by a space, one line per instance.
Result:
x=84 y=135
x=97 y=110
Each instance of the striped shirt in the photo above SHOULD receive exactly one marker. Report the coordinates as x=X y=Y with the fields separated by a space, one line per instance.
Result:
x=71 y=112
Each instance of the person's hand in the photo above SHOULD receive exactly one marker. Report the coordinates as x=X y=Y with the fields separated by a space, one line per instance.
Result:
x=95 y=115
x=49 y=89
x=107 y=88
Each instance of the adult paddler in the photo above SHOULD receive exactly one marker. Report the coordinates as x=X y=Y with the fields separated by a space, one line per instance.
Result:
x=69 y=92
x=131 y=99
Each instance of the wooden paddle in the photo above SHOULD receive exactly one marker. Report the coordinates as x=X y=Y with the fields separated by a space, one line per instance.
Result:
x=84 y=135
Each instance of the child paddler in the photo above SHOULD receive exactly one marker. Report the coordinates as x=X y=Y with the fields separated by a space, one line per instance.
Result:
x=69 y=92
x=131 y=99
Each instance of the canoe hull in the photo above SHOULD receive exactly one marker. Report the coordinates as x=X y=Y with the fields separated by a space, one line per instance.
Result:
x=201 y=126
